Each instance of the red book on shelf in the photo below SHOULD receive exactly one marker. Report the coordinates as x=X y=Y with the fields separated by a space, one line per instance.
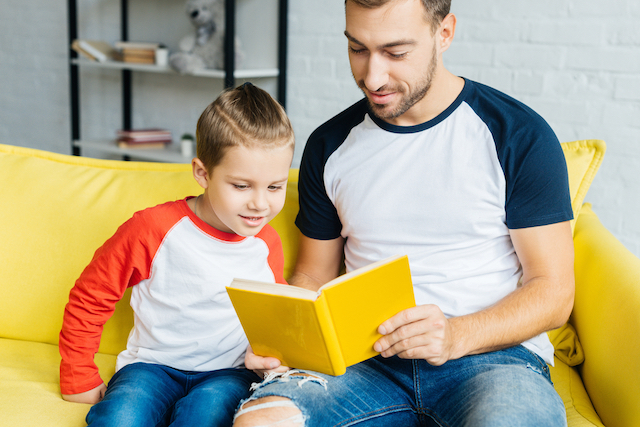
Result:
x=131 y=133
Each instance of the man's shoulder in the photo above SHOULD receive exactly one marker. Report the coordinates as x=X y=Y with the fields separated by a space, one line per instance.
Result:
x=338 y=127
x=492 y=104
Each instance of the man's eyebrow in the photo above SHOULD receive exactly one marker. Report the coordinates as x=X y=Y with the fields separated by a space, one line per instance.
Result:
x=386 y=45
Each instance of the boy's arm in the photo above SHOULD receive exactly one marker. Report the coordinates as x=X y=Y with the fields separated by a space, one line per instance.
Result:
x=91 y=397
x=118 y=264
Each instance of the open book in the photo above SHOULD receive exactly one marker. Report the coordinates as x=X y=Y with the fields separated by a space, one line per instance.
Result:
x=327 y=330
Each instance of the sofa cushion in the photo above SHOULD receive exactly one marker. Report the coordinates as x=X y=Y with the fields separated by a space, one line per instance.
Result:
x=567 y=382
x=61 y=209
x=583 y=161
x=30 y=387
x=607 y=320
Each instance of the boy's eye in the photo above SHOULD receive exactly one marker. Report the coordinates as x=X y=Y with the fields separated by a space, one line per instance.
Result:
x=241 y=186
x=275 y=187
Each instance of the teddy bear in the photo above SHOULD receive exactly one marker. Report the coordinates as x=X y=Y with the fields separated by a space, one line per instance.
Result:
x=205 y=48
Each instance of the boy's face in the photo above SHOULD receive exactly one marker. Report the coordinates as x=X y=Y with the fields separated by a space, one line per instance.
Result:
x=246 y=189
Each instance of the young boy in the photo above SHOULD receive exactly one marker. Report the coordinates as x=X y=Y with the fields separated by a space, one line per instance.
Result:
x=184 y=356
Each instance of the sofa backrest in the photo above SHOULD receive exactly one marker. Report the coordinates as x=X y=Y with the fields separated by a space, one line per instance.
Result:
x=56 y=210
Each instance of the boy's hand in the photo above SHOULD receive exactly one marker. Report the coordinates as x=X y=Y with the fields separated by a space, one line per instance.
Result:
x=262 y=366
x=92 y=396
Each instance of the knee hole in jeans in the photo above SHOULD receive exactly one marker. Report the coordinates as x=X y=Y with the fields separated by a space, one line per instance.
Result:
x=269 y=411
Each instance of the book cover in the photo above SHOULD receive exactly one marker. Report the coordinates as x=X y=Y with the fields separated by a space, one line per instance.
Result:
x=133 y=133
x=97 y=50
x=328 y=330
x=142 y=146
x=136 y=45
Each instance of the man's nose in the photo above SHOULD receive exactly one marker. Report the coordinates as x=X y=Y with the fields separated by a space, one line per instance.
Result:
x=377 y=74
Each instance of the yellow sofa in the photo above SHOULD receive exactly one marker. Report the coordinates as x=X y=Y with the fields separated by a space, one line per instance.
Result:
x=56 y=210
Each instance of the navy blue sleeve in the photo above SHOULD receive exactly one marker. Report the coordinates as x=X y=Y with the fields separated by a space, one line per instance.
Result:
x=318 y=218
x=531 y=157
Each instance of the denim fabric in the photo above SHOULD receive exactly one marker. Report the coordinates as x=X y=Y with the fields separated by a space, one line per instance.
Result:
x=511 y=388
x=142 y=394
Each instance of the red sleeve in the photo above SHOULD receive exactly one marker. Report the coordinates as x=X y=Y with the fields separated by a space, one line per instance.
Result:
x=123 y=261
x=276 y=256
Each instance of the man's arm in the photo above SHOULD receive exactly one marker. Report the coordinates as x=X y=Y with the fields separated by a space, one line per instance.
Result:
x=543 y=302
x=318 y=262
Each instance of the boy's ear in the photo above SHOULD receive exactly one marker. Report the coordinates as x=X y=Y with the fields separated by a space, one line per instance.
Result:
x=200 y=173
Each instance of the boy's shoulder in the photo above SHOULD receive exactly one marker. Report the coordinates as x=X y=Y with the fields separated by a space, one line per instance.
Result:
x=159 y=217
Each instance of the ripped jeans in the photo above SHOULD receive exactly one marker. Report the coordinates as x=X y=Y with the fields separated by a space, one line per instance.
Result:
x=511 y=387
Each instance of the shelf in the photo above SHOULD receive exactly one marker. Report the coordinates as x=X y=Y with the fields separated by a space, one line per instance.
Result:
x=171 y=154
x=127 y=69
x=152 y=68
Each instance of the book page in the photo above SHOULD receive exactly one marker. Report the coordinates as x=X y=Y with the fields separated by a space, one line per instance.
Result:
x=274 y=289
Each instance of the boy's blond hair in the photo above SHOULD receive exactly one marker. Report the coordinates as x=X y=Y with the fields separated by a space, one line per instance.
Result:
x=246 y=116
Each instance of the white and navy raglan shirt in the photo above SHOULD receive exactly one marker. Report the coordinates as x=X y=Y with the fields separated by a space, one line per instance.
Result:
x=445 y=192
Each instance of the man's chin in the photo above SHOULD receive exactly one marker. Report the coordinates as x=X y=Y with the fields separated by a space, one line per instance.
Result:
x=383 y=111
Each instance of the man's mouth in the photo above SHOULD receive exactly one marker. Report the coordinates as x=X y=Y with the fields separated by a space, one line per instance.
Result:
x=380 y=97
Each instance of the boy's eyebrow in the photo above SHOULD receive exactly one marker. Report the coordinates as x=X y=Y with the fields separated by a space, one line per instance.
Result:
x=384 y=46
x=239 y=178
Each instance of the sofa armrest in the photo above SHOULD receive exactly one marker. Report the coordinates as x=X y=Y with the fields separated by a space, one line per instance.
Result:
x=607 y=319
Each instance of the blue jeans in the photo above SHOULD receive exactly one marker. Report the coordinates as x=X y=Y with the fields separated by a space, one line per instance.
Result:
x=144 y=394
x=511 y=388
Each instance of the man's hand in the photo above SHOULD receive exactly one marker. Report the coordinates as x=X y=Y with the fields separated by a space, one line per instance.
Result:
x=262 y=366
x=421 y=332
x=92 y=396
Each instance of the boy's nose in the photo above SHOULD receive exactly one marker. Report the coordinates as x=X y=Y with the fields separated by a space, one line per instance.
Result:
x=258 y=201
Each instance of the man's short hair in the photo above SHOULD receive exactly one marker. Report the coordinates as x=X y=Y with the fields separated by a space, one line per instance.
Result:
x=436 y=10
x=246 y=116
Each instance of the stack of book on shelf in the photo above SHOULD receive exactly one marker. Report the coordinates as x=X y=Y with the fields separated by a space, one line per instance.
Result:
x=143 y=138
x=95 y=50
x=138 y=52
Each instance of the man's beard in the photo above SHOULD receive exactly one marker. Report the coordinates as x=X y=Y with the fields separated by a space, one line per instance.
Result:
x=408 y=100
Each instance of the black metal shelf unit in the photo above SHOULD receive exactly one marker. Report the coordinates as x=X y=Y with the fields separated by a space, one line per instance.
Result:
x=229 y=70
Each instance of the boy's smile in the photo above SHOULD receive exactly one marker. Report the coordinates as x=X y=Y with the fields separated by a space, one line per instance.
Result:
x=246 y=189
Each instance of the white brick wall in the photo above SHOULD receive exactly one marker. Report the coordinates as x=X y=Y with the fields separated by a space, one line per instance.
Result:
x=576 y=62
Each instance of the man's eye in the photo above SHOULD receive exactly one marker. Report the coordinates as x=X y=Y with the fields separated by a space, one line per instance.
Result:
x=397 y=55
x=355 y=51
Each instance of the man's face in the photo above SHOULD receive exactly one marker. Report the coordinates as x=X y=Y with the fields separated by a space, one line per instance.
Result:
x=393 y=57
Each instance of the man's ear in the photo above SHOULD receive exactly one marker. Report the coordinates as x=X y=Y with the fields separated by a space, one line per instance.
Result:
x=200 y=173
x=446 y=32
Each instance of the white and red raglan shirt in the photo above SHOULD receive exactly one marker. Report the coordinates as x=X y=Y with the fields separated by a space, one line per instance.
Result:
x=177 y=266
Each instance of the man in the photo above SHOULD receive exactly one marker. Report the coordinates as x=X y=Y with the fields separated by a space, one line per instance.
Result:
x=472 y=185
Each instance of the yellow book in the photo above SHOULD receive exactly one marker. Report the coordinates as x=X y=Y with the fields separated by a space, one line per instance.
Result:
x=327 y=330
